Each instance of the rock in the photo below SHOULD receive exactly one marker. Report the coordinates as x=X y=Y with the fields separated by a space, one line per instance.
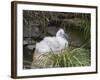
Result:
x=27 y=41
x=27 y=64
x=27 y=56
x=31 y=30
x=73 y=23
x=52 y=30
x=55 y=22
x=31 y=47
x=75 y=39
x=35 y=32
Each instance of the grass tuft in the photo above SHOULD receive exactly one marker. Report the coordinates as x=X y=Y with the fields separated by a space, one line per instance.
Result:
x=70 y=57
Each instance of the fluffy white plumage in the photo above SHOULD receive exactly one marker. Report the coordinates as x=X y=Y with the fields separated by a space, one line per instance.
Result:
x=56 y=43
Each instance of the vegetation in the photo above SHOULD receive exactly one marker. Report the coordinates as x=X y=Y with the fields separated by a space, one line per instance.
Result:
x=70 y=57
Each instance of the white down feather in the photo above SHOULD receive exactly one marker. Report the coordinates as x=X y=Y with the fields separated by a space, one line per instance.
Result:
x=56 y=43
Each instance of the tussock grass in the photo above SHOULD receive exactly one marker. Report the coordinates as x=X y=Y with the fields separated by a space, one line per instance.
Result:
x=70 y=57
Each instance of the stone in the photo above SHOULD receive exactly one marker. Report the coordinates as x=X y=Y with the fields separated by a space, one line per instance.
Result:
x=52 y=30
